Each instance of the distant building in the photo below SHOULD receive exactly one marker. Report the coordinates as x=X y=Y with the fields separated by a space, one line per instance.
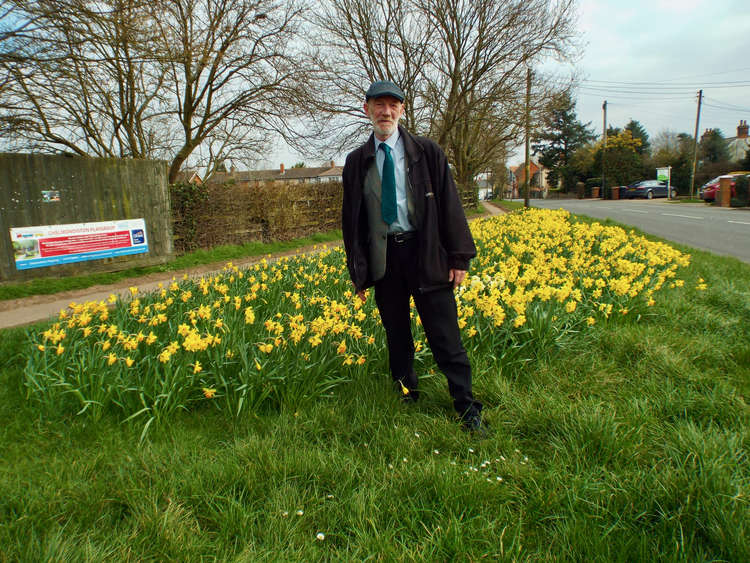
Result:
x=738 y=146
x=330 y=173
x=539 y=186
x=189 y=177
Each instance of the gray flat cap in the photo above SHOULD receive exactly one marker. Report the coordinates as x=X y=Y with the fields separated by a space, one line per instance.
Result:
x=384 y=88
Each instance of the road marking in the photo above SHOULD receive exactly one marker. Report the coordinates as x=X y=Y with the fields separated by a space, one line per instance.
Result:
x=739 y=222
x=636 y=211
x=684 y=216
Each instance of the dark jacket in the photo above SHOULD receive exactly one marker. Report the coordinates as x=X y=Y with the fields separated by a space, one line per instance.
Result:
x=443 y=234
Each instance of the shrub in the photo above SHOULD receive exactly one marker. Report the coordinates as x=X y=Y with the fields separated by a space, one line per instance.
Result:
x=741 y=190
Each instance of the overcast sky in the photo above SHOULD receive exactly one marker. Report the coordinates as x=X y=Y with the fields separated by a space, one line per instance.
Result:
x=648 y=59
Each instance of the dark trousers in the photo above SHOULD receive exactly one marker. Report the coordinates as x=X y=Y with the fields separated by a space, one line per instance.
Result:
x=437 y=310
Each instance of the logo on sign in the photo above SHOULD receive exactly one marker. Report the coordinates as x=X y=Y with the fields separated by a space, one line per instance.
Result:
x=138 y=236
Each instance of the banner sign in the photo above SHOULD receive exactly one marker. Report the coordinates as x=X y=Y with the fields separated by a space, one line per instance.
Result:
x=663 y=174
x=51 y=245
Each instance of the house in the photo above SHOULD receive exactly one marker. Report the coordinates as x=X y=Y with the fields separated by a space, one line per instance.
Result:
x=330 y=173
x=739 y=145
x=539 y=185
x=189 y=177
x=487 y=183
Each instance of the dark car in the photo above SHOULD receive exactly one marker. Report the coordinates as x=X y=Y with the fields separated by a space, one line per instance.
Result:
x=646 y=188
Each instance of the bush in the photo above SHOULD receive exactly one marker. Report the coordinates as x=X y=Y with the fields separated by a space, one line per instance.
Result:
x=741 y=190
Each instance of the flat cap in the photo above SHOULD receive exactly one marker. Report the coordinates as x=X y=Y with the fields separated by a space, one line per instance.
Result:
x=384 y=88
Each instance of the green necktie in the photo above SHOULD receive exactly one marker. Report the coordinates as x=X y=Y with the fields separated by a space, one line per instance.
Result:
x=388 y=190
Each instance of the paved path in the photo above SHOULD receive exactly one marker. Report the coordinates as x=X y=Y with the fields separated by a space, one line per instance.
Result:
x=28 y=310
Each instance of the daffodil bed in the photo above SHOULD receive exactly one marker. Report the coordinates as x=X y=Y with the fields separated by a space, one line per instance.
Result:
x=286 y=331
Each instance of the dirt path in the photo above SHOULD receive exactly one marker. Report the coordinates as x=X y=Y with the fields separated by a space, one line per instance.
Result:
x=28 y=310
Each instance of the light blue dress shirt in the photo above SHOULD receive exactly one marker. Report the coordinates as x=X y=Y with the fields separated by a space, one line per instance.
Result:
x=396 y=143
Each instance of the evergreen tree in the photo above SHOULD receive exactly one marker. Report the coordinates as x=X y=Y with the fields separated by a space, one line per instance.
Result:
x=713 y=147
x=639 y=132
x=561 y=135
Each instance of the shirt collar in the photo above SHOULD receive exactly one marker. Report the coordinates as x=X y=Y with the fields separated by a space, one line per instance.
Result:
x=390 y=141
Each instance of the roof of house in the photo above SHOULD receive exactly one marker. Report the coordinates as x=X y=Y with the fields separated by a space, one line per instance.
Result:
x=520 y=171
x=188 y=176
x=281 y=173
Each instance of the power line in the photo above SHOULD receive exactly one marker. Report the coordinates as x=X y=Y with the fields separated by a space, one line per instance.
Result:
x=646 y=91
x=724 y=105
x=646 y=98
x=652 y=84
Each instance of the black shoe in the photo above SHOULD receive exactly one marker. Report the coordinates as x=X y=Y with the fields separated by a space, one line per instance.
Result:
x=474 y=424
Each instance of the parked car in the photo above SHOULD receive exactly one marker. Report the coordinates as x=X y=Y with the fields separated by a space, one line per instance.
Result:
x=709 y=190
x=646 y=188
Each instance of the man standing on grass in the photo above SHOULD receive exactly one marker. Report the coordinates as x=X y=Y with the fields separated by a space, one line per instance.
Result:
x=405 y=233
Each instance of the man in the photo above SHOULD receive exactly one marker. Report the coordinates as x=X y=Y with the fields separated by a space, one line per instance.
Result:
x=405 y=233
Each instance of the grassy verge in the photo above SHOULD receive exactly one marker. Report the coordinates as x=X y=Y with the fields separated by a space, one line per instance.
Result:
x=506 y=204
x=218 y=255
x=685 y=200
x=627 y=443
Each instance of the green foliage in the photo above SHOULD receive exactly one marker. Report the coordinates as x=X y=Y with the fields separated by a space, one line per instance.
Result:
x=742 y=192
x=561 y=134
x=675 y=150
x=186 y=201
x=712 y=147
x=639 y=132
x=622 y=163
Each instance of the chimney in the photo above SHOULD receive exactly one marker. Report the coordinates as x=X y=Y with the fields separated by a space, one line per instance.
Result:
x=742 y=129
x=282 y=168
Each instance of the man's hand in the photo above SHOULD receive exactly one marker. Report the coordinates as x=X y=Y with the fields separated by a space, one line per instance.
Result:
x=456 y=276
x=360 y=294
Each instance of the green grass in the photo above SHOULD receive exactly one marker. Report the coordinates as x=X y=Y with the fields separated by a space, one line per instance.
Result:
x=507 y=204
x=219 y=255
x=630 y=443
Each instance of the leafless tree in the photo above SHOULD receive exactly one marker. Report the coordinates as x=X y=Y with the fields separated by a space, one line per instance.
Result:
x=85 y=83
x=463 y=69
x=229 y=60
x=157 y=78
x=359 y=42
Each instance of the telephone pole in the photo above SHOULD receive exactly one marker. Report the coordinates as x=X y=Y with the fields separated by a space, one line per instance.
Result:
x=604 y=148
x=527 y=170
x=695 y=146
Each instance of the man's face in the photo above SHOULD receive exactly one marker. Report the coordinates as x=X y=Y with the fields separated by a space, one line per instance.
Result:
x=384 y=112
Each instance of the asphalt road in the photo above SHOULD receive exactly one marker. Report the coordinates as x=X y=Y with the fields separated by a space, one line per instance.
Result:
x=720 y=230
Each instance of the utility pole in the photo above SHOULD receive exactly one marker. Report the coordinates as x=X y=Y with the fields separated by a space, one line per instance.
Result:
x=528 y=133
x=604 y=148
x=695 y=146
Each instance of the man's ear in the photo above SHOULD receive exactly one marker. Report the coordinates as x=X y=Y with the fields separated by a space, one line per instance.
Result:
x=365 y=109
